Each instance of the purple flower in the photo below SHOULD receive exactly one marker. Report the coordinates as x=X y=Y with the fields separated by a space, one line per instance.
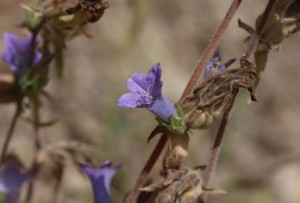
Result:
x=100 y=179
x=146 y=93
x=18 y=51
x=11 y=181
x=216 y=63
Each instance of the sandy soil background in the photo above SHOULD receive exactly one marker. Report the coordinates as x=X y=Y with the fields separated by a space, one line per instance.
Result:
x=260 y=157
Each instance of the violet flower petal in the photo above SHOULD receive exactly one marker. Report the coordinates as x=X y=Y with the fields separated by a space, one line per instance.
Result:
x=11 y=181
x=100 y=179
x=130 y=100
x=146 y=92
x=18 y=53
x=155 y=73
x=216 y=63
x=161 y=107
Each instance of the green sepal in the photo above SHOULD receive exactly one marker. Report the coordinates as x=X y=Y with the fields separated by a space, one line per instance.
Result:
x=31 y=82
x=32 y=19
x=175 y=125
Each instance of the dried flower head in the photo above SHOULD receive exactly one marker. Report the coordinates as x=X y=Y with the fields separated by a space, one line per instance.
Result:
x=94 y=9
x=216 y=93
x=183 y=185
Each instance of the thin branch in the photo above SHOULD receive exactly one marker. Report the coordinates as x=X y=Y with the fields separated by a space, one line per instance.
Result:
x=211 y=48
x=132 y=196
x=11 y=129
x=217 y=143
x=35 y=114
x=215 y=151
x=36 y=121
x=208 y=53
x=260 y=28
x=38 y=146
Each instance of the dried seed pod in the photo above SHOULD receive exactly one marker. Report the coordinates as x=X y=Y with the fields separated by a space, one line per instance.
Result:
x=181 y=185
x=216 y=93
x=94 y=9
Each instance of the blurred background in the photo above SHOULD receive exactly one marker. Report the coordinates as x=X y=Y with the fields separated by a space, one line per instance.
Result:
x=260 y=157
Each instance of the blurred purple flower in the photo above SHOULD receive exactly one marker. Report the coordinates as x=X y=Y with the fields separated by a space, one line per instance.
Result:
x=216 y=63
x=11 y=181
x=146 y=92
x=18 y=51
x=100 y=179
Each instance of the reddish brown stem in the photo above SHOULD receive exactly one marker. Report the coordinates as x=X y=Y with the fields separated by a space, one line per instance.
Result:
x=211 y=48
x=132 y=196
x=217 y=143
x=11 y=129
x=35 y=114
x=215 y=151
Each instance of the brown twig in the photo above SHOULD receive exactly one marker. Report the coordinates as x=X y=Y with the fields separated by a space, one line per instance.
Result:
x=35 y=114
x=132 y=196
x=217 y=143
x=11 y=129
x=38 y=145
x=211 y=48
x=36 y=121
x=208 y=53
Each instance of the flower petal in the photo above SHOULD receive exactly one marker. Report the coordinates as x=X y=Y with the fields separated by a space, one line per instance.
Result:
x=137 y=82
x=100 y=179
x=215 y=63
x=108 y=171
x=12 y=42
x=13 y=178
x=18 y=53
x=155 y=74
x=162 y=108
x=130 y=100
x=37 y=58
x=7 y=57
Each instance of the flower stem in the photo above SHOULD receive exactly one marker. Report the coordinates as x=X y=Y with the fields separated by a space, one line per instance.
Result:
x=36 y=121
x=38 y=145
x=11 y=129
x=132 y=196
x=217 y=143
x=215 y=150
x=212 y=46
x=35 y=117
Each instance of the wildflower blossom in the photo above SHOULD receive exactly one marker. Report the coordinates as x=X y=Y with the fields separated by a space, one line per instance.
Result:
x=11 y=181
x=100 y=179
x=18 y=53
x=216 y=64
x=146 y=92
